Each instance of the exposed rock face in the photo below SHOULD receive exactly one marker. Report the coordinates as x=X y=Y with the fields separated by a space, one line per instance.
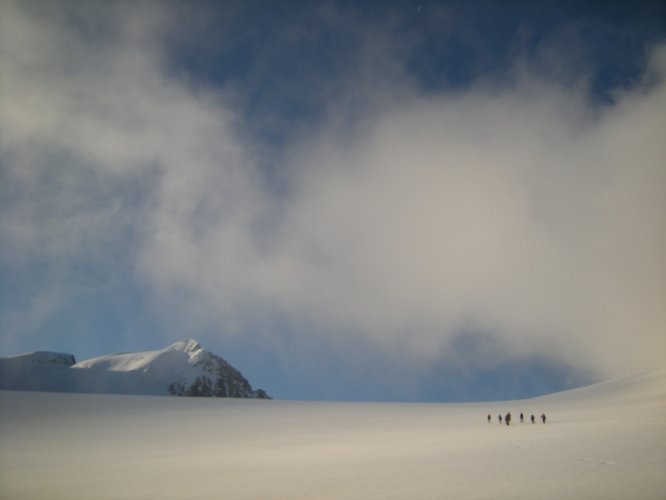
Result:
x=219 y=378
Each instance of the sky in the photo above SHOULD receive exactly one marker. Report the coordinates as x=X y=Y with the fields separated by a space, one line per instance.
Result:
x=386 y=201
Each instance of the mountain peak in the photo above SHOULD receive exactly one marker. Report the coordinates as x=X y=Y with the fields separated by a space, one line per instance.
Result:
x=185 y=345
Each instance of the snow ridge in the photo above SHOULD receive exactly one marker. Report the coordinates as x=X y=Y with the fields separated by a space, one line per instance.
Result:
x=182 y=369
x=44 y=358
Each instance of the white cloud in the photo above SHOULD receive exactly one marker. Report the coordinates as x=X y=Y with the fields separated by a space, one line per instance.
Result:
x=522 y=212
x=509 y=210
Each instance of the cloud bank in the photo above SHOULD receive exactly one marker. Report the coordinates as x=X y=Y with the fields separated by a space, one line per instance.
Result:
x=523 y=211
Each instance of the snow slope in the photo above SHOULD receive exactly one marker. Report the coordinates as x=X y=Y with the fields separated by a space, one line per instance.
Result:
x=606 y=441
x=183 y=368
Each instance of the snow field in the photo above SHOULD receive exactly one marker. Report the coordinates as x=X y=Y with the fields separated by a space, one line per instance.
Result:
x=606 y=441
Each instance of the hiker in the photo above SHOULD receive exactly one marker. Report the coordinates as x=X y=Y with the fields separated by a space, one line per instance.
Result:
x=507 y=419
x=522 y=418
x=543 y=418
x=532 y=418
x=488 y=417
x=500 y=419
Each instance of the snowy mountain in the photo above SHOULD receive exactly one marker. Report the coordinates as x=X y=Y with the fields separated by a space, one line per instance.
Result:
x=181 y=369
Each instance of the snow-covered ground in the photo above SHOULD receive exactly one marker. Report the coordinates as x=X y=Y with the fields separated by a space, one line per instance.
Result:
x=606 y=441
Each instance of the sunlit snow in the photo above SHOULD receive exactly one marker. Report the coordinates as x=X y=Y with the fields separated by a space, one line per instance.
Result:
x=606 y=441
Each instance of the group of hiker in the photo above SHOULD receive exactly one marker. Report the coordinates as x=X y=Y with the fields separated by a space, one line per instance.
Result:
x=507 y=418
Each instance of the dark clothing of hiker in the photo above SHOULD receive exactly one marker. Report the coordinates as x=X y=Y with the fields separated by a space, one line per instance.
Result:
x=489 y=418
x=522 y=418
x=532 y=418
x=543 y=418
x=499 y=417
x=507 y=419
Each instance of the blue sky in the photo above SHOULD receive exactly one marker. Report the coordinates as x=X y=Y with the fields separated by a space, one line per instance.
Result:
x=410 y=201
